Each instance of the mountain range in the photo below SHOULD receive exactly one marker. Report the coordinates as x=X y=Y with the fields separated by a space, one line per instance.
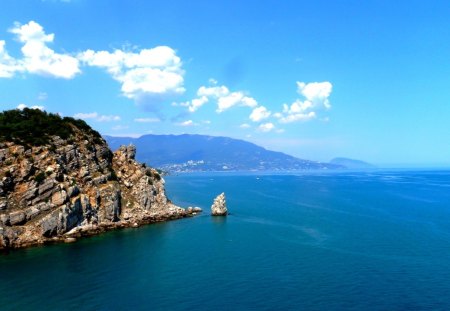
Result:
x=188 y=153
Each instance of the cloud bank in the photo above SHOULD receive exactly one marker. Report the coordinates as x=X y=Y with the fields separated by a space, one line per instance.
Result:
x=148 y=76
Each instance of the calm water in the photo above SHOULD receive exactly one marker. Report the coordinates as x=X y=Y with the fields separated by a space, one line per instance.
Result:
x=347 y=241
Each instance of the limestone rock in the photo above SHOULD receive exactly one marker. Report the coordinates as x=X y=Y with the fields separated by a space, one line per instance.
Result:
x=219 y=206
x=69 y=188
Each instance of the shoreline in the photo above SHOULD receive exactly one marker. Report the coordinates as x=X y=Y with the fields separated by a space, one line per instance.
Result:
x=91 y=230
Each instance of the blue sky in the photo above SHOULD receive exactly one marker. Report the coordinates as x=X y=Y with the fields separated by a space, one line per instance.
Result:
x=315 y=79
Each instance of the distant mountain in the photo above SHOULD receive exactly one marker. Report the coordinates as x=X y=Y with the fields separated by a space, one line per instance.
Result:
x=351 y=163
x=187 y=153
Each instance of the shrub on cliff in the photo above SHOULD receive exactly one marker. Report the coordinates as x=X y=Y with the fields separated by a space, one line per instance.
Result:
x=35 y=127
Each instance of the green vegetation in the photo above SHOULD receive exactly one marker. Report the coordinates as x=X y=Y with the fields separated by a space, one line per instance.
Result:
x=39 y=177
x=113 y=175
x=35 y=127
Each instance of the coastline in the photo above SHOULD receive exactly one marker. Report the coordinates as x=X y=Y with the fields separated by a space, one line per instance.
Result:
x=90 y=230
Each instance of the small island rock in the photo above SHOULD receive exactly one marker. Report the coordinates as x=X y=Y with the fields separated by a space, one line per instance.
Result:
x=219 y=207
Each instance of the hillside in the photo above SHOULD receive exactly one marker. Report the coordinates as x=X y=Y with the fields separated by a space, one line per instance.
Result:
x=184 y=153
x=352 y=164
x=65 y=182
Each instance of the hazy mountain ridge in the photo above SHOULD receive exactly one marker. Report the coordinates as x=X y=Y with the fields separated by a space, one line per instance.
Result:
x=183 y=153
x=352 y=163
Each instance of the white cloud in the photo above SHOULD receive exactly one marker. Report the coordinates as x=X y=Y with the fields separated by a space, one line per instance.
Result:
x=96 y=117
x=316 y=97
x=38 y=58
x=8 y=65
x=298 y=117
x=222 y=95
x=23 y=106
x=195 y=104
x=316 y=92
x=266 y=127
x=244 y=126
x=147 y=120
x=214 y=91
x=187 y=123
x=153 y=74
x=233 y=99
x=259 y=113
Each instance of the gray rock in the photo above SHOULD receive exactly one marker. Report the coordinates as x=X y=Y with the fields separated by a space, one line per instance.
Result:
x=46 y=186
x=100 y=180
x=113 y=209
x=131 y=152
x=4 y=219
x=44 y=206
x=31 y=212
x=219 y=206
x=17 y=218
x=73 y=191
x=49 y=224
x=30 y=194
x=70 y=216
x=3 y=204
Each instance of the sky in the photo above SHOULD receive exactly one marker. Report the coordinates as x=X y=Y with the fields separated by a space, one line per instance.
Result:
x=367 y=80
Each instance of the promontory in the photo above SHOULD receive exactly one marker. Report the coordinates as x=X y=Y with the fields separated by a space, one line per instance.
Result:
x=59 y=181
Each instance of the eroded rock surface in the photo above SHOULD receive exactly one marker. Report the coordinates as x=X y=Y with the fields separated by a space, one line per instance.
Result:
x=219 y=206
x=76 y=187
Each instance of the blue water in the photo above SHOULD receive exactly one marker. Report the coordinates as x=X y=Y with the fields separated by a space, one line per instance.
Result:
x=338 y=241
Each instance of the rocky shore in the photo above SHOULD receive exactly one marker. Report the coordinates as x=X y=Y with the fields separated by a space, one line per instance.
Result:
x=75 y=187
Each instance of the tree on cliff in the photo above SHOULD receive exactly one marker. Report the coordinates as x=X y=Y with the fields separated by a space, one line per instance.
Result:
x=35 y=127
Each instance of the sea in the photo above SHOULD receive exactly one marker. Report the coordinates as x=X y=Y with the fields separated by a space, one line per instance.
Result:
x=373 y=240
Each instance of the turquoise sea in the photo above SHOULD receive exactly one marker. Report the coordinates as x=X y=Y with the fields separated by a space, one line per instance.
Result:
x=311 y=241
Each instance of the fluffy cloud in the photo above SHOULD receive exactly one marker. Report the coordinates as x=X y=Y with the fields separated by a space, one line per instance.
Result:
x=187 y=123
x=292 y=117
x=8 y=65
x=147 y=120
x=315 y=97
x=148 y=76
x=152 y=74
x=259 y=113
x=233 y=99
x=222 y=95
x=266 y=127
x=316 y=92
x=96 y=117
x=23 y=106
x=194 y=104
x=244 y=126
x=38 y=58
x=213 y=91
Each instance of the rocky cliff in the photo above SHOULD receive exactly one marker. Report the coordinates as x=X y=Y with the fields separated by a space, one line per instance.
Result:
x=61 y=189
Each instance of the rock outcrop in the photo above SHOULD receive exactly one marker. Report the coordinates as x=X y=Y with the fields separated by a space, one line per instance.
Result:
x=68 y=188
x=219 y=206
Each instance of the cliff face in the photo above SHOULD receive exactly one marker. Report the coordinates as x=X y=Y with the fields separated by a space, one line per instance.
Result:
x=73 y=187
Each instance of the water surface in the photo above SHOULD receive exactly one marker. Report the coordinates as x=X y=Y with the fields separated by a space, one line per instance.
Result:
x=353 y=241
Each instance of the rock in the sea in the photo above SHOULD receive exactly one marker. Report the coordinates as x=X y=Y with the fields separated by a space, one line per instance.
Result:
x=219 y=207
